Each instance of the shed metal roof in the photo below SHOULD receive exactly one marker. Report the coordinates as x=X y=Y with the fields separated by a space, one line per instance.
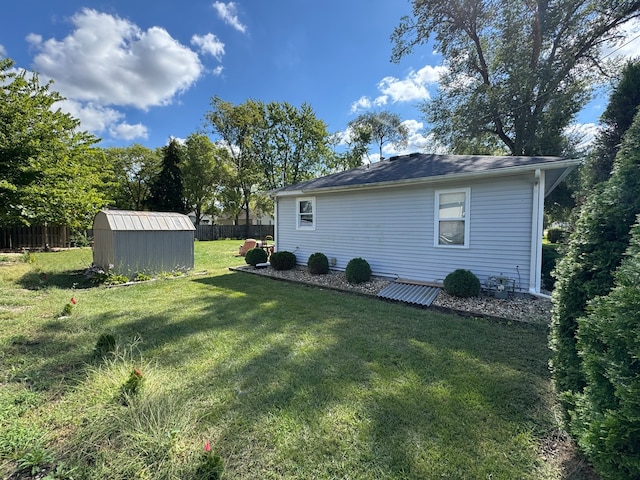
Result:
x=421 y=167
x=129 y=220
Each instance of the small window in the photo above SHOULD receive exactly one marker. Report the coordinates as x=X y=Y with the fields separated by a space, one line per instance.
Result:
x=452 y=218
x=306 y=210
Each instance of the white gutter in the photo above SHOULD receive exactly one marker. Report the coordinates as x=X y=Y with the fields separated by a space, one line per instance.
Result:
x=535 y=267
x=441 y=178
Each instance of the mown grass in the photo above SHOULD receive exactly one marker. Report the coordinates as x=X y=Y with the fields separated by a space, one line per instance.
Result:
x=286 y=381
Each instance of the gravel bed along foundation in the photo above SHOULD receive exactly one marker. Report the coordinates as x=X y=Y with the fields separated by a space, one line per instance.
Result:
x=524 y=308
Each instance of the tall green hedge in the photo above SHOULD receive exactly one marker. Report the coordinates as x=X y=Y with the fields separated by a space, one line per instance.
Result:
x=596 y=246
x=606 y=420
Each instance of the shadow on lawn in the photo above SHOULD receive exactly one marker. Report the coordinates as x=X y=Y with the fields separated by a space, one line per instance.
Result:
x=408 y=386
x=423 y=383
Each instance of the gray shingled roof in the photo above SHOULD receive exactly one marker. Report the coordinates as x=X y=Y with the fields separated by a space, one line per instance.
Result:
x=417 y=166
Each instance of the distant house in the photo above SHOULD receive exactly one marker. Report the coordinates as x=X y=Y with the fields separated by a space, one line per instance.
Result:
x=420 y=216
x=205 y=220
x=253 y=219
x=144 y=242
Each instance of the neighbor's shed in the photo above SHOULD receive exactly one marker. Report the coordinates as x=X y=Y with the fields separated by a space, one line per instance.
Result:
x=144 y=242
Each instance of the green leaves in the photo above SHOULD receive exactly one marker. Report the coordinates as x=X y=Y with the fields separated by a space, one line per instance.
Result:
x=517 y=72
x=51 y=172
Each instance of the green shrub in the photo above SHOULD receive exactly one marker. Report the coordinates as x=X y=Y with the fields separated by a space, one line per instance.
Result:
x=255 y=256
x=462 y=283
x=550 y=257
x=141 y=277
x=318 y=263
x=358 y=271
x=594 y=252
x=605 y=421
x=283 y=260
x=556 y=235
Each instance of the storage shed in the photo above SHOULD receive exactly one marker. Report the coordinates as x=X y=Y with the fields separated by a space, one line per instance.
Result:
x=145 y=242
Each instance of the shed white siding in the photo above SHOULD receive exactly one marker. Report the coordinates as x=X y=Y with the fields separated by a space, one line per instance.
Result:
x=145 y=242
x=393 y=229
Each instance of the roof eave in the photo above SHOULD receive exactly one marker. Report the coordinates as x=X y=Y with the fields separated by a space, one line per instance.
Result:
x=568 y=164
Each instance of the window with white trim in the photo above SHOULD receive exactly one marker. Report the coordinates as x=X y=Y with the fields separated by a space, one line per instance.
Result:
x=452 y=218
x=306 y=213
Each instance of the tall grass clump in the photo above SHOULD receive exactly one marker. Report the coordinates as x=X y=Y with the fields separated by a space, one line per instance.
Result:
x=150 y=435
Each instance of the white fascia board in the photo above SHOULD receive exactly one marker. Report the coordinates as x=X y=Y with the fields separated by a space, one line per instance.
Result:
x=438 y=179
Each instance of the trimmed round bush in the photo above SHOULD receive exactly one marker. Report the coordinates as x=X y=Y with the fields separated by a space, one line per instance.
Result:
x=555 y=235
x=462 y=283
x=318 y=263
x=255 y=256
x=358 y=271
x=282 y=260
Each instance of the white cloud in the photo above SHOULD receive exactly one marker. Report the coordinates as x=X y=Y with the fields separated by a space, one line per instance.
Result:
x=412 y=88
x=217 y=71
x=229 y=13
x=33 y=39
x=100 y=119
x=630 y=45
x=126 y=131
x=110 y=61
x=210 y=44
x=93 y=117
x=583 y=133
x=363 y=103
x=3 y=51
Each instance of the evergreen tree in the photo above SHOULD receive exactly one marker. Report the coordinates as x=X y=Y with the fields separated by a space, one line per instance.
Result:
x=595 y=249
x=606 y=422
x=616 y=120
x=167 y=191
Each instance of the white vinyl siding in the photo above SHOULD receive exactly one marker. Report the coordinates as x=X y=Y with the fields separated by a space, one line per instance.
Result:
x=306 y=213
x=452 y=218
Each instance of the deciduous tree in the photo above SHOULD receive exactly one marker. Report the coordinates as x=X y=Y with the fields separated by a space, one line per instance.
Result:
x=236 y=127
x=202 y=174
x=51 y=171
x=135 y=167
x=378 y=128
x=517 y=71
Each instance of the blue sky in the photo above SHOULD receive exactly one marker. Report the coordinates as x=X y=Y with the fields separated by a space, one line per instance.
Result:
x=142 y=72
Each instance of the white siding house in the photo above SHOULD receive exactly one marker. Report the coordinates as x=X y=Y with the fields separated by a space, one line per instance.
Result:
x=419 y=217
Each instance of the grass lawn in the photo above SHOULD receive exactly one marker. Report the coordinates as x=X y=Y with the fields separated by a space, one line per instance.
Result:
x=284 y=380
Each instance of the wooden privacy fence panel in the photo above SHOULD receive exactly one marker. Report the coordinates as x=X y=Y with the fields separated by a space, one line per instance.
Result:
x=33 y=237
x=15 y=238
x=215 y=232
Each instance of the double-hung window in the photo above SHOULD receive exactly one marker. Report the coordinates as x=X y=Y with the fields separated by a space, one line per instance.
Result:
x=306 y=213
x=452 y=218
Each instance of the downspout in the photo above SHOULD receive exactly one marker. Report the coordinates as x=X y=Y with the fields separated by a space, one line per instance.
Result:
x=275 y=223
x=537 y=220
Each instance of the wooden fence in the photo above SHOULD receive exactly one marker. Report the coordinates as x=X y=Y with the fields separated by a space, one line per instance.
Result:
x=216 y=232
x=17 y=238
